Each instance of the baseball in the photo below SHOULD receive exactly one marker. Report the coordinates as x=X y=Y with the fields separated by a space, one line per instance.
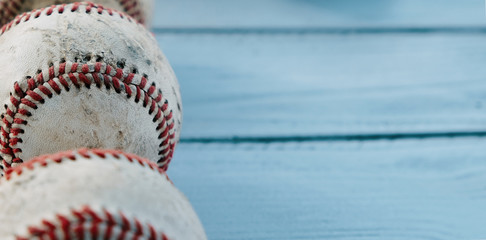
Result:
x=127 y=197
x=81 y=75
x=141 y=10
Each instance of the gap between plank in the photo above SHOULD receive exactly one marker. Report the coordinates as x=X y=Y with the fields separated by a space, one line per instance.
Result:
x=332 y=138
x=318 y=30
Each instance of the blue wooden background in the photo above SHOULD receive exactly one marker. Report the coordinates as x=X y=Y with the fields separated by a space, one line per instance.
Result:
x=331 y=119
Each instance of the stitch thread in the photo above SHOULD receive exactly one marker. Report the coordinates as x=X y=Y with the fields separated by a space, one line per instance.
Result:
x=74 y=7
x=58 y=158
x=10 y=8
x=99 y=224
x=28 y=94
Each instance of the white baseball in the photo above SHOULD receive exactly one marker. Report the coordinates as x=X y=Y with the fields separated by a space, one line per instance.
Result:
x=80 y=75
x=141 y=10
x=126 y=197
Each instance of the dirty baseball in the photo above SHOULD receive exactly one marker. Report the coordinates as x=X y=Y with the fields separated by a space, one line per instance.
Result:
x=81 y=75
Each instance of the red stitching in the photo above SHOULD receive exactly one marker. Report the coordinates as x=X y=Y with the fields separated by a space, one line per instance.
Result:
x=25 y=99
x=10 y=8
x=132 y=7
x=75 y=7
x=57 y=158
x=101 y=224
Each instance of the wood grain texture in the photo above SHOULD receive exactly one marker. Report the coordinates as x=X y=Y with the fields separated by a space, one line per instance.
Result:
x=281 y=85
x=318 y=13
x=434 y=189
x=313 y=69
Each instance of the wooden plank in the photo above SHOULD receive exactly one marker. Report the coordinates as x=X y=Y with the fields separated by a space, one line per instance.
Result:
x=415 y=189
x=315 y=13
x=280 y=85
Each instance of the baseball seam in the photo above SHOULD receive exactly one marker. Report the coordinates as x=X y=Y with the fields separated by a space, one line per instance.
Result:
x=74 y=7
x=28 y=94
x=58 y=158
x=98 y=224
x=132 y=8
x=10 y=8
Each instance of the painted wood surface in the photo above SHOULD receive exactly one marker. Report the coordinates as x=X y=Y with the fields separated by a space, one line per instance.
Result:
x=329 y=84
x=274 y=85
x=318 y=13
x=408 y=189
